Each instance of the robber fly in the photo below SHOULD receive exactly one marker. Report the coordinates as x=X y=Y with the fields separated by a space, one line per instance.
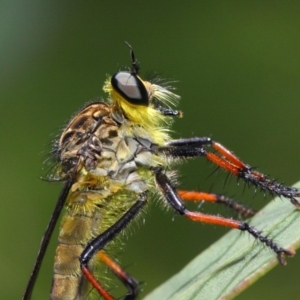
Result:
x=116 y=155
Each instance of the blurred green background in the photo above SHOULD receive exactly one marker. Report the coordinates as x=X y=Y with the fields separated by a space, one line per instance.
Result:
x=238 y=67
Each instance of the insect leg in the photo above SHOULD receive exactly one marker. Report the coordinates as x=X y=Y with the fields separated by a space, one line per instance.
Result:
x=130 y=282
x=46 y=238
x=172 y=197
x=100 y=242
x=214 y=198
x=226 y=160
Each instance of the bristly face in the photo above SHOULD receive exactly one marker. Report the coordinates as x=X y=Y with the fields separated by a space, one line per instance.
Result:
x=141 y=101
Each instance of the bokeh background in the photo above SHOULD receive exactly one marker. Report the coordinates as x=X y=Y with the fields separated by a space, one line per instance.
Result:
x=238 y=71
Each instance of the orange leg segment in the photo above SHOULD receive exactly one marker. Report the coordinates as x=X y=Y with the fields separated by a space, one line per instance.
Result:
x=229 y=155
x=210 y=219
x=128 y=281
x=95 y=283
x=197 y=196
x=224 y=164
x=214 y=198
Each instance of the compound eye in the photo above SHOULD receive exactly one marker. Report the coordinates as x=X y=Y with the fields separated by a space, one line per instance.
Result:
x=131 y=88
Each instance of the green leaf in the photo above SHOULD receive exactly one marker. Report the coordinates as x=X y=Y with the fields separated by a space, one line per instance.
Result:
x=235 y=261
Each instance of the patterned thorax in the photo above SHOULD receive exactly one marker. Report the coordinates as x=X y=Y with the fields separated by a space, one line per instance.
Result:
x=104 y=142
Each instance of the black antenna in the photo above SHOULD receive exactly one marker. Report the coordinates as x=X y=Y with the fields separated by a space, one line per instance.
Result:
x=135 y=65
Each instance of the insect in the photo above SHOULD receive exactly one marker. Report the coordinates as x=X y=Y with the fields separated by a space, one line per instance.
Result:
x=114 y=156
